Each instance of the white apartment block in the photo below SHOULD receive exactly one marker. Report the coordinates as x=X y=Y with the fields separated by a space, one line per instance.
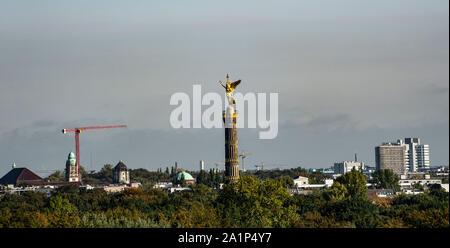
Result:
x=418 y=154
x=347 y=166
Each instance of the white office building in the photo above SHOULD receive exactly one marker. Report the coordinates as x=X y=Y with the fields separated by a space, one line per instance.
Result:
x=418 y=155
x=347 y=166
x=423 y=156
x=300 y=181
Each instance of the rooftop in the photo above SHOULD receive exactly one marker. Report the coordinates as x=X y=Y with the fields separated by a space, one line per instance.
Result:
x=18 y=176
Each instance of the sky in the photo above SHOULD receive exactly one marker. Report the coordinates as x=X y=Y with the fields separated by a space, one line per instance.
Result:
x=350 y=75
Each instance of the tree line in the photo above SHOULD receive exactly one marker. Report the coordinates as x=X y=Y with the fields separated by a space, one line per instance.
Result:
x=251 y=202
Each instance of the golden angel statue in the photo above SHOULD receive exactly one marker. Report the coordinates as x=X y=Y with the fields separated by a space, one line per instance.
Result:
x=229 y=88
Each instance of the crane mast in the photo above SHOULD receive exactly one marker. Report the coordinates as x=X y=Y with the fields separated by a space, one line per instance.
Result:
x=77 y=131
x=244 y=155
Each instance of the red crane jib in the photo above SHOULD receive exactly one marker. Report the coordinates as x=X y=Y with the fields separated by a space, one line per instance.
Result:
x=77 y=131
x=91 y=128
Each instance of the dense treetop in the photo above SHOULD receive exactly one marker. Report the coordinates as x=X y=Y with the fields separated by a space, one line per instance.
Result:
x=256 y=200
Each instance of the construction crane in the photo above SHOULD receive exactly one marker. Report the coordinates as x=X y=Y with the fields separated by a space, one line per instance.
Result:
x=216 y=164
x=244 y=155
x=277 y=166
x=260 y=167
x=47 y=171
x=14 y=165
x=77 y=131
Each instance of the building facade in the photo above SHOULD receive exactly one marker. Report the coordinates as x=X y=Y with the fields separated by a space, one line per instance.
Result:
x=392 y=156
x=121 y=175
x=347 y=166
x=419 y=155
x=72 y=169
x=415 y=156
x=299 y=181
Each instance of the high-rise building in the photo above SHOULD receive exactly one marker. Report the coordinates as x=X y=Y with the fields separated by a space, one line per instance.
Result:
x=392 y=156
x=418 y=155
x=403 y=157
x=423 y=157
x=72 y=168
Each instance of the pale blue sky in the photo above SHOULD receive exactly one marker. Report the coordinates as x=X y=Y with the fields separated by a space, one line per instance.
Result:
x=350 y=74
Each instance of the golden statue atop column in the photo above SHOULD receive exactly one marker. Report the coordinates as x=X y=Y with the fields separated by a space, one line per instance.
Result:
x=229 y=88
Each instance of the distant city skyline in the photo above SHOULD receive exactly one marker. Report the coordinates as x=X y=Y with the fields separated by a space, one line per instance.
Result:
x=350 y=75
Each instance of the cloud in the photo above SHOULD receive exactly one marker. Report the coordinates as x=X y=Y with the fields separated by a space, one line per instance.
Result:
x=322 y=122
x=43 y=123
x=435 y=89
x=341 y=68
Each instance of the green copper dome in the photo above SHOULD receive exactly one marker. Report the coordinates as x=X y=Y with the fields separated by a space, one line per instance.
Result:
x=187 y=176
x=71 y=158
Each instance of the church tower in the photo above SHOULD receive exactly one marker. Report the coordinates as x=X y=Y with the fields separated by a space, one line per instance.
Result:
x=71 y=168
x=121 y=175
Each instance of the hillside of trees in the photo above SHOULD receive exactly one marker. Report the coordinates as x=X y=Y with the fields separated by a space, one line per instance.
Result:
x=251 y=202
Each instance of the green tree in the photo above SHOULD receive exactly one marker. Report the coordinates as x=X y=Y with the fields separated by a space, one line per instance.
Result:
x=418 y=186
x=194 y=216
x=67 y=189
x=218 y=179
x=250 y=203
x=107 y=172
x=57 y=176
x=286 y=181
x=356 y=210
x=202 y=178
x=62 y=213
x=211 y=178
x=337 y=192
x=355 y=182
x=183 y=181
x=386 y=179
x=166 y=173
x=100 y=220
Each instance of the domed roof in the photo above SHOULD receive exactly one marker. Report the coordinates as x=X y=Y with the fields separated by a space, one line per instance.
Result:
x=71 y=158
x=187 y=176
x=71 y=155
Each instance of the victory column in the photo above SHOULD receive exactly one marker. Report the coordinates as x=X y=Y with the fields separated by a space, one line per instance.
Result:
x=231 y=140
